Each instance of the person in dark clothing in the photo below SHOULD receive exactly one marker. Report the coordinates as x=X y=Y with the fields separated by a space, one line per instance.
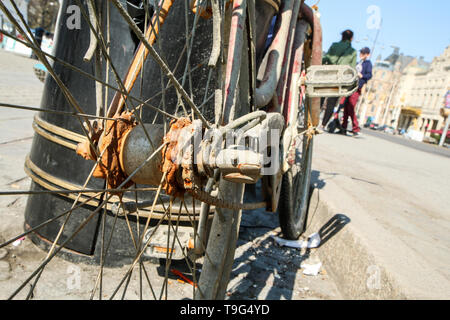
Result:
x=340 y=53
x=364 y=69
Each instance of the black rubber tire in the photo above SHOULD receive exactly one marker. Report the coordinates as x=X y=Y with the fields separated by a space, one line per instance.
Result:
x=294 y=201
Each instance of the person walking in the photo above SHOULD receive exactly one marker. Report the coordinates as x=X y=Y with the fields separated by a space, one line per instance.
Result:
x=340 y=53
x=364 y=69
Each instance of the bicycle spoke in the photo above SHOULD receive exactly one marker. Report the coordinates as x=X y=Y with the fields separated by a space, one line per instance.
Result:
x=104 y=252
x=138 y=255
x=30 y=38
x=141 y=102
x=103 y=255
x=160 y=62
x=96 y=31
x=102 y=249
x=66 y=191
x=13 y=106
x=111 y=111
x=189 y=86
x=61 y=229
x=83 y=224
x=138 y=233
x=126 y=285
x=191 y=40
x=163 y=89
x=43 y=224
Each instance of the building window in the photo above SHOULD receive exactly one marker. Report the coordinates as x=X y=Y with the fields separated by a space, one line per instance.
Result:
x=435 y=123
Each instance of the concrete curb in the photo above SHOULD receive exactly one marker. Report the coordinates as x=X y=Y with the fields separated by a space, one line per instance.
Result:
x=350 y=262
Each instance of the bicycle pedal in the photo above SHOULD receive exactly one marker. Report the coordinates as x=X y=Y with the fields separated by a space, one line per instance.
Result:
x=325 y=81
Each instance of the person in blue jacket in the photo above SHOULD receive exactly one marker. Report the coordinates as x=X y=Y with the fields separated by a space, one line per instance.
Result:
x=364 y=68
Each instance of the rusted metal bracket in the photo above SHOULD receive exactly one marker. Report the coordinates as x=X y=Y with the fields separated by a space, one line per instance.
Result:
x=189 y=158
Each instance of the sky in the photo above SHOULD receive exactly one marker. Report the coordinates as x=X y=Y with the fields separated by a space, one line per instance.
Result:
x=418 y=28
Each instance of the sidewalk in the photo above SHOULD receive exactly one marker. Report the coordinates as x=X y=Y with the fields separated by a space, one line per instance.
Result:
x=19 y=86
x=390 y=218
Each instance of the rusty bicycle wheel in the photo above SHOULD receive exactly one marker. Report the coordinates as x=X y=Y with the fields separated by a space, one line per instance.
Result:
x=124 y=201
x=91 y=217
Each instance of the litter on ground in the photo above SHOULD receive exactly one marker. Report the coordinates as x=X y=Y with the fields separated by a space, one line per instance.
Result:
x=311 y=269
x=18 y=242
x=312 y=242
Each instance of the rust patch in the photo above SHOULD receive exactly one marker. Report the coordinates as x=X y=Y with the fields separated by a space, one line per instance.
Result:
x=173 y=184
x=109 y=165
x=110 y=143
x=85 y=149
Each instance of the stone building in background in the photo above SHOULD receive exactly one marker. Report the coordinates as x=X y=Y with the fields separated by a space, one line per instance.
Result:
x=407 y=93
x=421 y=95
x=404 y=110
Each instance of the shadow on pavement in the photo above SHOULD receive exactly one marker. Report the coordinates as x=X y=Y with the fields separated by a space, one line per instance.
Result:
x=338 y=221
x=332 y=227
x=261 y=269
x=317 y=178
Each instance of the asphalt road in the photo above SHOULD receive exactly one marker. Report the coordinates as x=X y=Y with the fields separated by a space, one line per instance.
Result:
x=425 y=147
x=396 y=194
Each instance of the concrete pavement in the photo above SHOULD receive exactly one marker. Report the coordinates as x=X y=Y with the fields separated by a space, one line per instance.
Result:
x=393 y=203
